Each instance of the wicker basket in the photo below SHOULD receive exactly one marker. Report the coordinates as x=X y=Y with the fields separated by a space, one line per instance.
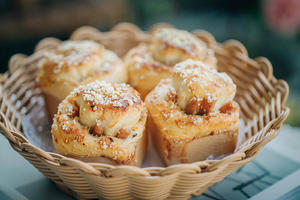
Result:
x=261 y=97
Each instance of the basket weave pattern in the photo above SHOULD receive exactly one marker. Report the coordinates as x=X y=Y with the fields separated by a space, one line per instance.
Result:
x=260 y=95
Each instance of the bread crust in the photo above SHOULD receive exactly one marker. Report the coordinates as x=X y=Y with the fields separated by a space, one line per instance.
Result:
x=174 y=150
x=51 y=104
x=140 y=152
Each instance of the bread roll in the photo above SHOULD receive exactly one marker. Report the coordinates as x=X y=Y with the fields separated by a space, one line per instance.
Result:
x=103 y=122
x=75 y=63
x=193 y=115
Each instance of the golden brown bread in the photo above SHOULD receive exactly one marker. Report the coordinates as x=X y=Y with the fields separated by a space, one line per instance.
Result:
x=149 y=63
x=196 y=82
x=102 y=121
x=74 y=63
x=193 y=115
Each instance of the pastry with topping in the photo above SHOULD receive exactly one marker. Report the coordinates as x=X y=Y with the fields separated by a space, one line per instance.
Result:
x=75 y=63
x=102 y=122
x=149 y=63
x=193 y=115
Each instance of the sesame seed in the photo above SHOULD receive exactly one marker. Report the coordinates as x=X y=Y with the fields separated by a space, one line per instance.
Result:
x=69 y=53
x=105 y=93
x=202 y=75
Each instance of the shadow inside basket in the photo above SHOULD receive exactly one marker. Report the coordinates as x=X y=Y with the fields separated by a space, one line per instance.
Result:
x=37 y=129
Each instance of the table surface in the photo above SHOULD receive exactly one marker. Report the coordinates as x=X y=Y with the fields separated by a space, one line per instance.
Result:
x=20 y=180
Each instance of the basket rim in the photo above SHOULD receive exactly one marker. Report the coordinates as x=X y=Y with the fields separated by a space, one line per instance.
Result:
x=17 y=140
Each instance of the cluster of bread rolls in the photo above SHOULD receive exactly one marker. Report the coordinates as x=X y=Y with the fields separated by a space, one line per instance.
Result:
x=189 y=108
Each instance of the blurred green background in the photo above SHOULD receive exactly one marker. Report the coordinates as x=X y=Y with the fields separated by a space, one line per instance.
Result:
x=268 y=28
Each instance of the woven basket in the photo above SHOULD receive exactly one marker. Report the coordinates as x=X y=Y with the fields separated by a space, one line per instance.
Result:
x=261 y=97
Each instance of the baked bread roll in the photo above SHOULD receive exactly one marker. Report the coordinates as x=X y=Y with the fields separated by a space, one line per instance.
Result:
x=74 y=63
x=149 y=63
x=102 y=122
x=193 y=115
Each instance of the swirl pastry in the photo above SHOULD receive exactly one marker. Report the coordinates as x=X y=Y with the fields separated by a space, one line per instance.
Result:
x=193 y=115
x=149 y=63
x=102 y=122
x=74 y=63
